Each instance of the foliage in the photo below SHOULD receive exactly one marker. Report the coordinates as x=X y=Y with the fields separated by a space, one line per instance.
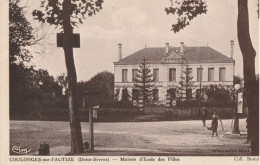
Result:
x=99 y=90
x=186 y=84
x=52 y=11
x=30 y=87
x=144 y=82
x=116 y=96
x=187 y=103
x=20 y=33
x=218 y=96
x=135 y=94
x=237 y=80
x=125 y=97
x=186 y=11
x=214 y=96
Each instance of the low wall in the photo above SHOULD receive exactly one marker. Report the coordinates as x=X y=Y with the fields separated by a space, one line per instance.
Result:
x=122 y=114
x=191 y=112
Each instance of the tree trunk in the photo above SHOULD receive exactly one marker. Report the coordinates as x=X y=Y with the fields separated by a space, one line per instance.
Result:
x=251 y=86
x=75 y=128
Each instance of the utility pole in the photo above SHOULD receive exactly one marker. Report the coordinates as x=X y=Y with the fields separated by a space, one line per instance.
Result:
x=200 y=87
x=236 y=119
x=187 y=81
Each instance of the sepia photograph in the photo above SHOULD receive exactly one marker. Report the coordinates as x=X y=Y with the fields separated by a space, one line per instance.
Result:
x=138 y=80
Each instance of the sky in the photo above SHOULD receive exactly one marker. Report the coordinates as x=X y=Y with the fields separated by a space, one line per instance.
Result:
x=137 y=24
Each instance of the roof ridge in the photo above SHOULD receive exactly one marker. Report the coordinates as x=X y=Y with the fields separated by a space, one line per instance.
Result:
x=193 y=53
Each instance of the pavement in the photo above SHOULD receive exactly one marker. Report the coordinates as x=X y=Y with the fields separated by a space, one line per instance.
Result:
x=167 y=138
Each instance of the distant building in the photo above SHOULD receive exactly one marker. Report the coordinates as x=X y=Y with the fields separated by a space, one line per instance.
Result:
x=166 y=64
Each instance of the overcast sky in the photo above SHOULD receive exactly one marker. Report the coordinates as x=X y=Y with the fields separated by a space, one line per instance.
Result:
x=136 y=23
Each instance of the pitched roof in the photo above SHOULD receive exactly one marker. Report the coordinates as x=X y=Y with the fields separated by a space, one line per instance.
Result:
x=191 y=54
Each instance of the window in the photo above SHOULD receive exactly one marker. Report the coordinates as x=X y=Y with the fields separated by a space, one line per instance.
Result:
x=211 y=74
x=199 y=74
x=156 y=75
x=124 y=75
x=172 y=74
x=222 y=74
x=134 y=74
x=155 y=94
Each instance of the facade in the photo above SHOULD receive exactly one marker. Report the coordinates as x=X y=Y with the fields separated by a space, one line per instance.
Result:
x=166 y=64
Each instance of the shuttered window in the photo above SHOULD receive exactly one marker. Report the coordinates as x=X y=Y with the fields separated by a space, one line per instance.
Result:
x=199 y=74
x=211 y=74
x=222 y=74
x=124 y=75
x=172 y=74
x=156 y=75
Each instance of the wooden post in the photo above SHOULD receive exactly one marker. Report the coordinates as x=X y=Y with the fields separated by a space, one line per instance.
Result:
x=91 y=130
x=200 y=87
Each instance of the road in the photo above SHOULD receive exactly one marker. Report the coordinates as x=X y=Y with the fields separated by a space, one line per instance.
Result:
x=132 y=138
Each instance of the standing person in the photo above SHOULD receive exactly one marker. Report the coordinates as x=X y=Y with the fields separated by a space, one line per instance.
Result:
x=214 y=123
x=204 y=116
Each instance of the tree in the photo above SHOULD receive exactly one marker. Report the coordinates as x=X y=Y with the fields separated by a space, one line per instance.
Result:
x=21 y=86
x=218 y=96
x=189 y=9
x=20 y=33
x=144 y=82
x=66 y=15
x=24 y=86
x=186 y=84
x=28 y=87
x=237 y=80
x=125 y=95
x=100 y=89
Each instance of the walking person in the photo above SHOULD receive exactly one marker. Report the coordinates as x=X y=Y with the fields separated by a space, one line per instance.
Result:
x=214 y=124
x=204 y=116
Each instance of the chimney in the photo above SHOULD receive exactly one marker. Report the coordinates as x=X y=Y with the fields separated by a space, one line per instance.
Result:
x=166 y=48
x=182 y=48
x=119 y=51
x=232 y=48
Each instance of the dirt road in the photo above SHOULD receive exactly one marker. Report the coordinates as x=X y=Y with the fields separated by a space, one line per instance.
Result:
x=132 y=138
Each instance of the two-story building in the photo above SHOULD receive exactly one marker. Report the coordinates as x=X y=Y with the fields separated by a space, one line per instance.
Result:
x=207 y=66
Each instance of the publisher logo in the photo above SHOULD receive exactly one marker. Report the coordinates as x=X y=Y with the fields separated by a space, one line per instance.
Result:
x=20 y=150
